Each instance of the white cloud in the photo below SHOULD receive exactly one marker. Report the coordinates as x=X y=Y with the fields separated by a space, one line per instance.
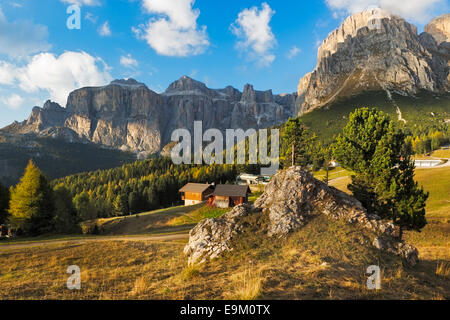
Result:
x=128 y=61
x=21 y=38
x=415 y=10
x=252 y=27
x=58 y=75
x=173 y=29
x=294 y=51
x=104 y=30
x=90 y=17
x=6 y=73
x=13 y=102
x=82 y=2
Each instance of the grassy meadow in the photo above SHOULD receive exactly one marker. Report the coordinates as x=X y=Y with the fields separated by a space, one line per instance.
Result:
x=433 y=241
x=320 y=261
x=323 y=260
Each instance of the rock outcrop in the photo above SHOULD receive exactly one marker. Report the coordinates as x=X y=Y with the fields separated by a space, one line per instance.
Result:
x=292 y=198
x=375 y=50
x=127 y=115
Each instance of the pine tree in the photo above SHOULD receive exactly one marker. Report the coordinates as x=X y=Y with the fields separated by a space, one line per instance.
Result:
x=376 y=151
x=297 y=143
x=32 y=205
x=66 y=218
x=120 y=205
x=4 y=204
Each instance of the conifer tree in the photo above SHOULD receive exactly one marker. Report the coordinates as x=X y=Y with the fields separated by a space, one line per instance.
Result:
x=376 y=152
x=32 y=205
x=4 y=204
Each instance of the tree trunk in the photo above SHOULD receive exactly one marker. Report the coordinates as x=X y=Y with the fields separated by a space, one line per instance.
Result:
x=293 y=155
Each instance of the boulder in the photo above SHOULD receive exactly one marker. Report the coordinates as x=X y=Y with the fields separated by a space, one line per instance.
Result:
x=290 y=200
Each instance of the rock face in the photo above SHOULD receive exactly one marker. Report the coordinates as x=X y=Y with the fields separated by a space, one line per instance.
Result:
x=374 y=50
x=291 y=198
x=127 y=115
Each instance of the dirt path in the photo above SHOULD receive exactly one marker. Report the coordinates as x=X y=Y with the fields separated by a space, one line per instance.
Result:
x=168 y=237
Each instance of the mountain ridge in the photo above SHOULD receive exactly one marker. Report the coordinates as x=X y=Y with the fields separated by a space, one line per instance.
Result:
x=375 y=50
x=127 y=115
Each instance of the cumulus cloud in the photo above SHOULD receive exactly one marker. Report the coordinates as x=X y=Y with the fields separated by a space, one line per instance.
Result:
x=14 y=101
x=7 y=71
x=128 y=61
x=58 y=75
x=294 y=51
x=104 y=30
x=255 y=34
x=173 y=29
x=21 y=38
x=415 y=10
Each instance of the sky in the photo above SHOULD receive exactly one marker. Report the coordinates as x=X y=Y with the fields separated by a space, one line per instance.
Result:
x=48 y=48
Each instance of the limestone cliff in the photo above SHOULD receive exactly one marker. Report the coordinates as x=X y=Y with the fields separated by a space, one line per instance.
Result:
x=375 y=50
x=127 y=115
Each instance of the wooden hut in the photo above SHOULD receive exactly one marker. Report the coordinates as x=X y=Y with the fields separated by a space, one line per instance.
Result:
x=194 y=193
x=228 y=195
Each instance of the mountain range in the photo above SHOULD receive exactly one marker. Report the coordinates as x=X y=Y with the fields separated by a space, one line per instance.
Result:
x=127 y=115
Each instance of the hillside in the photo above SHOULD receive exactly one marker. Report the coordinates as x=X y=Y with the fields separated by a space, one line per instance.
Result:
x=423 y=112
x=170 y=220
x=322 y=260
x=323 y=257
x=55 y=157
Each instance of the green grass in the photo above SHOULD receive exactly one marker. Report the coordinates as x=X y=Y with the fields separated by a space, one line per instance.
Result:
x=196 y=216
x=332 y=174
x=143 y=223
x=437 y=183
x=433 y=241
x=328 y=121
x=441 y=153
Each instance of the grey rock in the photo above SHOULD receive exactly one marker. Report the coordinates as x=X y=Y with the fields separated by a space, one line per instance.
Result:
x=291 y=198
x=356 y=58
x=127 y=115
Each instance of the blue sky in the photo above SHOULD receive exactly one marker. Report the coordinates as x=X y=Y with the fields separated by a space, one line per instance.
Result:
x=270 y=44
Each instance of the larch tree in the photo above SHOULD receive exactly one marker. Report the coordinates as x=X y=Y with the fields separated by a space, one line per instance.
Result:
x=32 y=206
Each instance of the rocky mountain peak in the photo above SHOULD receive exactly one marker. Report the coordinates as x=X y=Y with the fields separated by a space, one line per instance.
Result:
x=366 y=19
x=127 y=115
x=249 y=94
x=49 y=105
x=439 y=28
x=130 y=82
x=185 y=85
x=375 y=50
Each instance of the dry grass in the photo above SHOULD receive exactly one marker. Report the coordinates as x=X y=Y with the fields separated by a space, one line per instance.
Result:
x=247 y=286
x=325 y=260
x=443 y=269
